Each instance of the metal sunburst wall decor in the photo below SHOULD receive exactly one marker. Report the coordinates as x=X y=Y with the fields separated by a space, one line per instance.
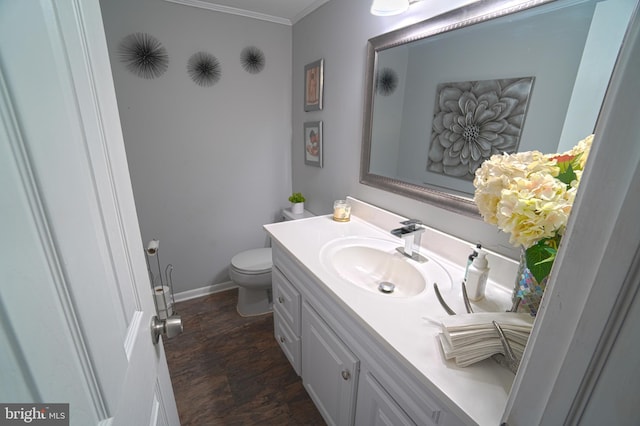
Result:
x=204 y=69
x=387 y=81
x=143 y=55
x=252 y=60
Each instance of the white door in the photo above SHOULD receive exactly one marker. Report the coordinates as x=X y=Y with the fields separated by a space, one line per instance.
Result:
x=75 y=299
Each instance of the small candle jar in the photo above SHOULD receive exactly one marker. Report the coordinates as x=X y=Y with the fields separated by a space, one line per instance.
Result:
x=341 y=211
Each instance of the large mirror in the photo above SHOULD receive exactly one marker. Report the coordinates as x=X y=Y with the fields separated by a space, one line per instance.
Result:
x=447 y=93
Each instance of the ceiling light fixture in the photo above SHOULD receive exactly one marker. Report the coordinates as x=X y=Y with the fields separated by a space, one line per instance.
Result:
x=389 y=7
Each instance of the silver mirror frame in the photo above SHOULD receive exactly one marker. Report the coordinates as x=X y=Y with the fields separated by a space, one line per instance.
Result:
x=474 y=13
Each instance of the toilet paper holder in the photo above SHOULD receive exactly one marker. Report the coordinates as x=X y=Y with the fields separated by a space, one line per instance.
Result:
x=167 y=322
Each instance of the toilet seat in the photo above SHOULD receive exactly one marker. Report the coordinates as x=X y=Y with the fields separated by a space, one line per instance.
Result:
x=253 y=262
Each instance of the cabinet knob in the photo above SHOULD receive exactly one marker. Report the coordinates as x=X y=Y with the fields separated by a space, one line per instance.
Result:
x=282 y=339
x=280 y=299
x=346 y=374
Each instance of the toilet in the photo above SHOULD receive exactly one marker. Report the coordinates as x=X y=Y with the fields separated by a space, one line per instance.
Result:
x=250 y=270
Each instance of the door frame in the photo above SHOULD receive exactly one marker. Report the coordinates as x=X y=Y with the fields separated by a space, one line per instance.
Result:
x=593 y=282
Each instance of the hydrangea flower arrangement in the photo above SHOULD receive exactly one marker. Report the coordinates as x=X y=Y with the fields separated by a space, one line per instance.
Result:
x=529 y=195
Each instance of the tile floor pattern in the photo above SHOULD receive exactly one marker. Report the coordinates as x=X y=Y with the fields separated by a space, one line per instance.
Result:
x=229 y=370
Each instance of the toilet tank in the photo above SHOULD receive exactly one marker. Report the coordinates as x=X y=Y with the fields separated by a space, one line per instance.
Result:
x=288 y=215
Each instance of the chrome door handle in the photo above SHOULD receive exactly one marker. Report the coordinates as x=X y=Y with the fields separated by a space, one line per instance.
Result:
x=170 y=327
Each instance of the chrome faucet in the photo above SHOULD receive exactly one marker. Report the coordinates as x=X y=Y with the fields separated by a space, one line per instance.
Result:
x=410 y=232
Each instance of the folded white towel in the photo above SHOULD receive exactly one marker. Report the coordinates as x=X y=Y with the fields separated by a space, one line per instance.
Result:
x=470 y=338
x=507 y=320
x=458 y=338
x=470 y=354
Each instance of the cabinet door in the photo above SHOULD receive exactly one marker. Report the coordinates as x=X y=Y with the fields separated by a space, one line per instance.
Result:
x=376 y=407
x=329 y=369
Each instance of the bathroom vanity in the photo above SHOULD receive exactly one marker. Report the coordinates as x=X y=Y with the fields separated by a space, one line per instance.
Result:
x=368 y=357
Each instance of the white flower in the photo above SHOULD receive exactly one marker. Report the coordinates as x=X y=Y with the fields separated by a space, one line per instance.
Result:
x=523 y=193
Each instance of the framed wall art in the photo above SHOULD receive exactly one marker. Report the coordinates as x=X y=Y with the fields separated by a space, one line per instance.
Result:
x=313 y=85
x=313 y=143
x=474 y=120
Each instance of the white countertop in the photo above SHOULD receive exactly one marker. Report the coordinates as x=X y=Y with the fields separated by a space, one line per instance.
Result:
x=481 y=390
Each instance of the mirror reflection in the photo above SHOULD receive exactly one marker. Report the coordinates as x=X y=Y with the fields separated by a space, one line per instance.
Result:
x=446 y=94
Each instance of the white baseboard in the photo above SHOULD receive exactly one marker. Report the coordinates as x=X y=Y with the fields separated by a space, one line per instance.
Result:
x=203 y=291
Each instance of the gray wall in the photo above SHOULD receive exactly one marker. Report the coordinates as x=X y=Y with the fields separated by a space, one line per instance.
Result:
x=208 y=166
x=338 y=32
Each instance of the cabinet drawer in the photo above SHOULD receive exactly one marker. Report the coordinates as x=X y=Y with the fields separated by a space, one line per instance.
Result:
x=286 y=301
x=289 y=343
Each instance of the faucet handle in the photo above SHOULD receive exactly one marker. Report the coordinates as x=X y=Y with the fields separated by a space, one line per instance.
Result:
x=412 y=225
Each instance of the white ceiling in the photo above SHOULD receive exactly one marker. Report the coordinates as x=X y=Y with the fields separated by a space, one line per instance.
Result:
x=286 y=12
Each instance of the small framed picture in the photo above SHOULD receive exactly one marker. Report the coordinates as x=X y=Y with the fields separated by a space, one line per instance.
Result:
x=313 y=84
x=313 y=143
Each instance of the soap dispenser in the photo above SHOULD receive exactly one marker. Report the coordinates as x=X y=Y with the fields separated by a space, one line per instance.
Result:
x=470 y=259
x=477 y=277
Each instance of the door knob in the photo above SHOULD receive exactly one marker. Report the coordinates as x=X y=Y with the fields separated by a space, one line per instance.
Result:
x=170 y=327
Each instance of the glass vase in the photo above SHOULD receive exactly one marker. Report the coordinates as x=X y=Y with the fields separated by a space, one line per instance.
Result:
x=527 y=291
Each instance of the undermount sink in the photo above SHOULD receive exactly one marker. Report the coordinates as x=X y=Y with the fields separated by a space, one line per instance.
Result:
x=375 y=264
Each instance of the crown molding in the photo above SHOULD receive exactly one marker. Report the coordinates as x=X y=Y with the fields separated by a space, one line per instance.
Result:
x=313 y=6
x=201 y=4
x=232 y=10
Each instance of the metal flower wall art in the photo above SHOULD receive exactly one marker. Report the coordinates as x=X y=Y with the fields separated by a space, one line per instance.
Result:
x=386 y=82
x=252 y=60
x=143 y=55
x=204 y=69
x=474 y=120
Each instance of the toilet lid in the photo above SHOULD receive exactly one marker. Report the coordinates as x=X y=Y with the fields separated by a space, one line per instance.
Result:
x=253 y=261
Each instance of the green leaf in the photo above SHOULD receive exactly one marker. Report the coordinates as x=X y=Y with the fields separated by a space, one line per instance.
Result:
x=567 y=175
x=540 y=259
x=297 y=197
x=575 y=163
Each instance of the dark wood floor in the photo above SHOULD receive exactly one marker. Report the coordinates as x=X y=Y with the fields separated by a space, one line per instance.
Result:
x=229 y=370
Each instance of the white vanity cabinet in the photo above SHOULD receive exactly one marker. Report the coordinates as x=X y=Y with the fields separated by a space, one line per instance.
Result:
x=329 y=369
x=351 y=377
x=376 y=407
